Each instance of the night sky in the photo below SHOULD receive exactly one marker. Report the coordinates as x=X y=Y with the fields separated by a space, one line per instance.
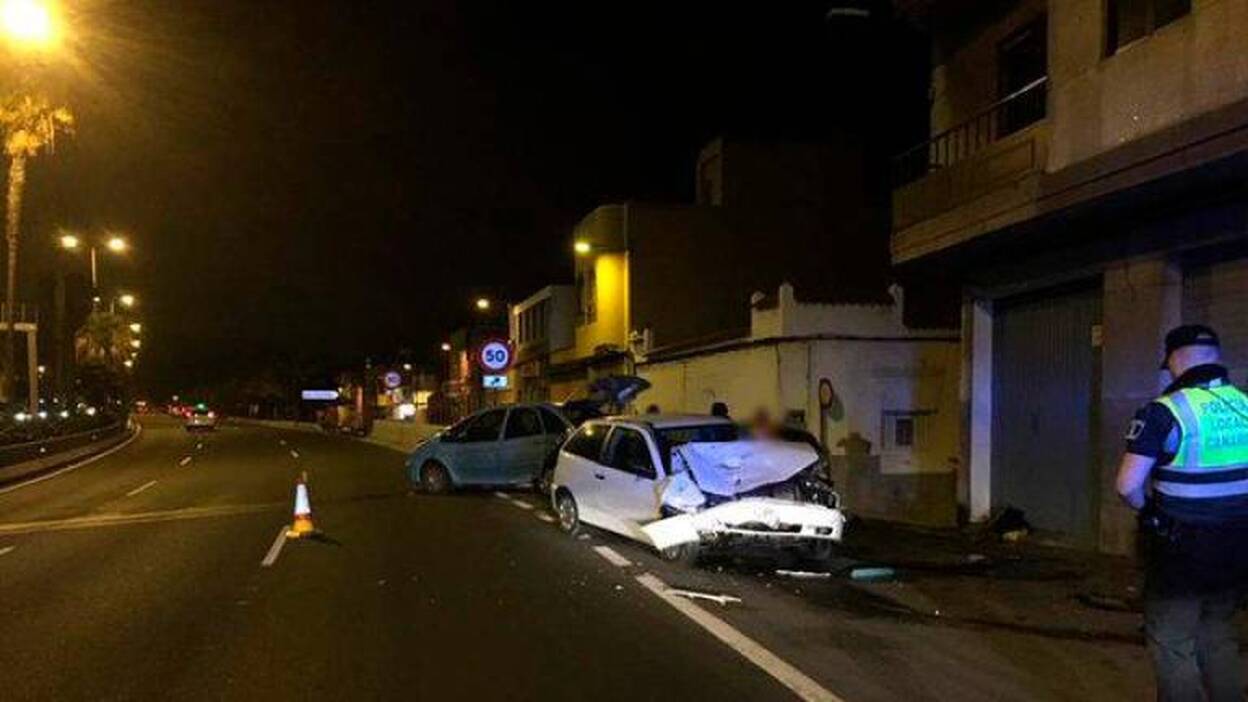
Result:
x=310 y=183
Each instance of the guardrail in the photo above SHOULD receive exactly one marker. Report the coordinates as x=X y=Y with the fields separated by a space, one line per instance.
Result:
x=1014 y=112
x=43 y=448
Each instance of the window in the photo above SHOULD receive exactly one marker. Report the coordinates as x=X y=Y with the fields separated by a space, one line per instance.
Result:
x=1128 y=20
x=905 y=430
x=587 y=443
x=522 y=422
x=630 y=453
x=554 y=425
x=1022 y=60
x=705 y=433
x=485 y=427
x=586 y=294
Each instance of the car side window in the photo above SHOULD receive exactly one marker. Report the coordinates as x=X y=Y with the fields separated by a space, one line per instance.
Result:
x=587 y=442
x=554 y=425
x=485 y=427
x=522 y=422
x=630 y=453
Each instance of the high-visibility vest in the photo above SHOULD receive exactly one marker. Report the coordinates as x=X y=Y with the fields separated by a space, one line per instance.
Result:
x=1212 y=456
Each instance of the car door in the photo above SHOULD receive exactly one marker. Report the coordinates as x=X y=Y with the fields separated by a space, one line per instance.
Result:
x=580 y=470
x=629 y=491
x=476 y=447
x=523 y=448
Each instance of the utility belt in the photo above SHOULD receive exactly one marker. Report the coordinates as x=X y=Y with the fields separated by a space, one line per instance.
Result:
x=1159 y=526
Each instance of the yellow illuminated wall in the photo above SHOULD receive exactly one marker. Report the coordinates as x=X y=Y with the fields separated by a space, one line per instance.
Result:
x=611 y=326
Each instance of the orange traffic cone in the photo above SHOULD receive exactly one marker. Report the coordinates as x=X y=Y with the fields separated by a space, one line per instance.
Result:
x=302 y=526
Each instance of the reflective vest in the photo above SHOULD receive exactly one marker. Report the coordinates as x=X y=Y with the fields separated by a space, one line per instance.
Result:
x=1212 y=456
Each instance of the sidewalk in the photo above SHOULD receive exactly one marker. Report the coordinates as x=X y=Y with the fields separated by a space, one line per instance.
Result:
x=971 y=579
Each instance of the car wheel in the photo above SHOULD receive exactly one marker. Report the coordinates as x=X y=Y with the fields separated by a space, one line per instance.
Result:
x=565 y=510
x=434 y=478
x=684 y=553
x=544 y=480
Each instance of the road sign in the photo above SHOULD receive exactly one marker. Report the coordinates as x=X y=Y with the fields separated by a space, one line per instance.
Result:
x=392 y=379
x=494 y=382
x=495 y=356
x=321 y=395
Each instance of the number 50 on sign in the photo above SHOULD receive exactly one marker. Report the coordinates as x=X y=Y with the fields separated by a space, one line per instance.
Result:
x=495 y=356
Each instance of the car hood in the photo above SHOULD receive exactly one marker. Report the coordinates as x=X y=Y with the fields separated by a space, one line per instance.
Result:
x=731 y=468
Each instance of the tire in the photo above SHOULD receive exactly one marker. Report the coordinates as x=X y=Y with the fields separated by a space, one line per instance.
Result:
x=566 y=513
x=685 y=553
x=435 y=479
x=544 y=480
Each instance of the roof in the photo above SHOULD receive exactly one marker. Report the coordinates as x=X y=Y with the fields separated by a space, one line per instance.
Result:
x=669 y=421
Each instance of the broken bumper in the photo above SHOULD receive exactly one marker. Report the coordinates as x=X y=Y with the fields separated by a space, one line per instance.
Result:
x=755 y=518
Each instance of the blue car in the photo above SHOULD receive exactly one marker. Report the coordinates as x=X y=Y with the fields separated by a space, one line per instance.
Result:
x=497 y=446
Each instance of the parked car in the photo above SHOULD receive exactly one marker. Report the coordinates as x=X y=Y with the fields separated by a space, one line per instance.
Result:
x=686 y=483
x=201 y=418
x=496 y=446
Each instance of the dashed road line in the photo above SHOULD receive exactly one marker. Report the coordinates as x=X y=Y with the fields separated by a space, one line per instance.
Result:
x=797 y=681
x=612 y=556
x=141 y=488
x=7 y=550
x=544 y=517
x=294 y=453
x=75 y=466
x=521 y=504
x=185 y=461
x=275 y=550
x=503 y=496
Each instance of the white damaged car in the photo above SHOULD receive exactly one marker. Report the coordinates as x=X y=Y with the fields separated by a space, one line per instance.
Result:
x=684 y=483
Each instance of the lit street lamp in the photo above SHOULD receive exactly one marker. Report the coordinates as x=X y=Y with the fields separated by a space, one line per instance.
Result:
x=136 y=328
x=126 y=300
x=28 y=23
x=446 y=347
x=483 y=304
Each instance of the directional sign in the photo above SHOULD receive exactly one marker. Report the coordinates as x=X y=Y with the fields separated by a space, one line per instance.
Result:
x=495 y=356
x=494 y=382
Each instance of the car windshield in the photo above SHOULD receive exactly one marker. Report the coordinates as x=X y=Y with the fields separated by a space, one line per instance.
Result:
x=669 y=438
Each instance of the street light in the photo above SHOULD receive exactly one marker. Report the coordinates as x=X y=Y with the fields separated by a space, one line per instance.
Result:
x=582 y=247
x=446 y=347
x=28 y=23
x=117 y=245
x=135 y=343
x=126 y=300
x=483 y=304
x=136 y=327
x=69 y=242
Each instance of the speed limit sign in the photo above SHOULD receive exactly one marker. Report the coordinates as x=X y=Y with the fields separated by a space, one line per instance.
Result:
x=495 y=356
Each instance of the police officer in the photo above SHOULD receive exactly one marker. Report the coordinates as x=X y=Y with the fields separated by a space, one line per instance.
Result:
x=1186 y=471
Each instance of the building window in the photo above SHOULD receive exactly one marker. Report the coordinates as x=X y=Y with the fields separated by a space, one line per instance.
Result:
x=586 y=294
x=905 y=430
x=1128 y=20
x=1022 y=64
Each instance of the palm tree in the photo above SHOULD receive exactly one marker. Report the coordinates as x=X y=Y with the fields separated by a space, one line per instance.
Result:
x=104 y=340
x=29 y=124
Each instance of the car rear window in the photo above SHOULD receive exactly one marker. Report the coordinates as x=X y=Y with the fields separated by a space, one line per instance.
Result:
x=587 y=442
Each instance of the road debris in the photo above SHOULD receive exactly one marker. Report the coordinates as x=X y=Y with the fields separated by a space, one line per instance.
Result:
x=802 y=574
x=872 y=574
x=695 y=595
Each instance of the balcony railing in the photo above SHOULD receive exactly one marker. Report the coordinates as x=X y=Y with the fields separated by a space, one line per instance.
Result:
x=1022 y=108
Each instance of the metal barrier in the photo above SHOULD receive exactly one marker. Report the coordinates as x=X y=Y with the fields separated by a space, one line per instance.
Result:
x=43 y=448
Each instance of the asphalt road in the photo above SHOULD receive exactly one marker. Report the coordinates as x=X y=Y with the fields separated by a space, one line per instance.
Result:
x=140 y=576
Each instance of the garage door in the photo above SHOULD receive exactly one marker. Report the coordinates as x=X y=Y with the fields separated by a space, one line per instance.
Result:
x=1217 y=294
x=1043 y=394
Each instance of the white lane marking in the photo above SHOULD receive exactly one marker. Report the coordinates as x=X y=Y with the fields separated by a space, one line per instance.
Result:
x=185 y=460
x=108 y=520
x=79 y=464
x=521 y=504
x=503 y=496
x=544 y=517
x=612 y=557
x=275 y=550
x=282 y=442
x=797 y=681
x=7 y=550
x=294 y=453
x=141 y=488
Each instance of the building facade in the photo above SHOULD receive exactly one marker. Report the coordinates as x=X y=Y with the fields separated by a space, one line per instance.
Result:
x=541 y=325
x=889 y=416
x=1083 y=184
